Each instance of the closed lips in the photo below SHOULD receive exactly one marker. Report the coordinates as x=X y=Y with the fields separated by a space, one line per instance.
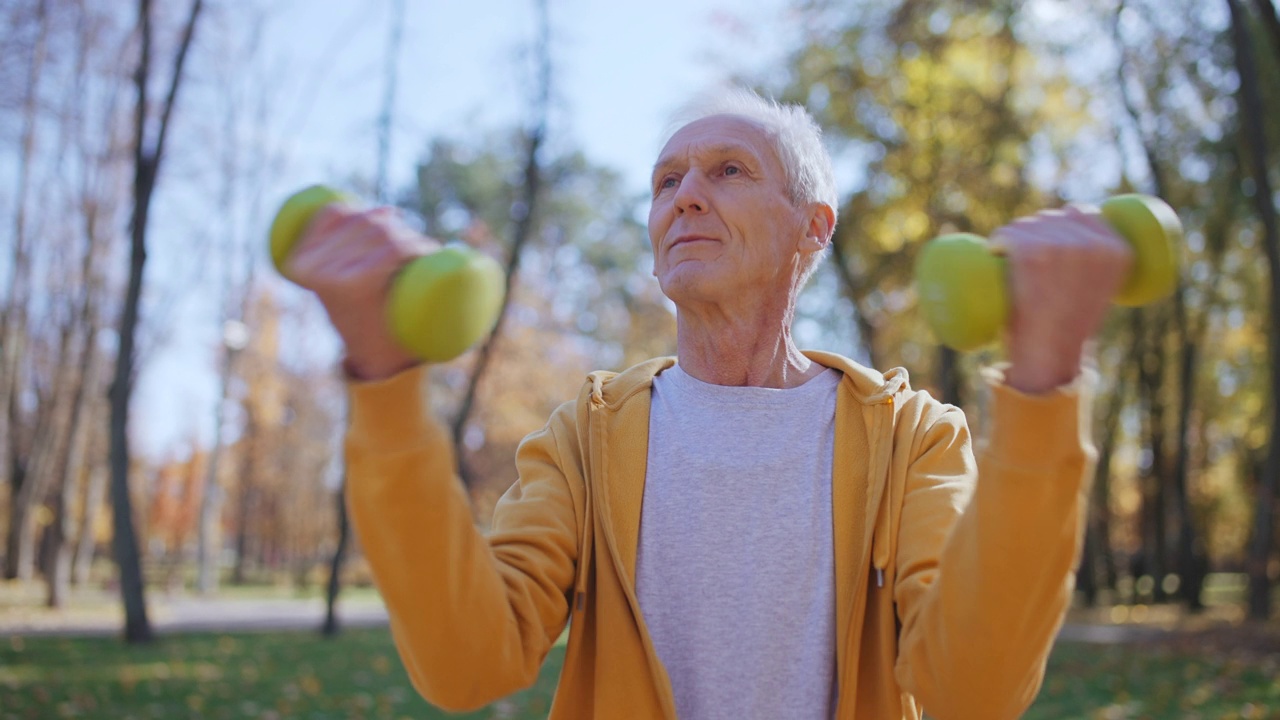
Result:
x=691 y=238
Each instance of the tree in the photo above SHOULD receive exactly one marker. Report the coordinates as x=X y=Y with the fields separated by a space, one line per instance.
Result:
x=15 y=431
x=1252 y=112
x=330 y=626
x=148 y=155
x=242 y=178
x=64 y=212
x=939 y=104
x=524 y=213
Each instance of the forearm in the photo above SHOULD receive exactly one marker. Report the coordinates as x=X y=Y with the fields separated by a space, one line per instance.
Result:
x=472 y=618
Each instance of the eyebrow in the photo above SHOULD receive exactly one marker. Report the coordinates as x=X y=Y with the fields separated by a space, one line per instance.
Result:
x=717 y=150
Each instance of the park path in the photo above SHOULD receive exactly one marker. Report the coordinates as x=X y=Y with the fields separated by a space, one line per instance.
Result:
x=196 y=614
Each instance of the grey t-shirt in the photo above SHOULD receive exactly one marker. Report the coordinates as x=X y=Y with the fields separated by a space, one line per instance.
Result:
x=735 y=573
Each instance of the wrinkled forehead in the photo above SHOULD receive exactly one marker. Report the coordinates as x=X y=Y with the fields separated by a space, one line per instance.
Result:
x=718 y=133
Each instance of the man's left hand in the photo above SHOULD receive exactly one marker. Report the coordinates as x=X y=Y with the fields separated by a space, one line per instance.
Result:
x=1064 y=268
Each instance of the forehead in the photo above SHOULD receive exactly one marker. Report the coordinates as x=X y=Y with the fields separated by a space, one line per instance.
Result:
x=718 y=133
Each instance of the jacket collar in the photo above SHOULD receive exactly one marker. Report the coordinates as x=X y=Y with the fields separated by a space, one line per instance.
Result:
x=868 y=386
x=620 y=401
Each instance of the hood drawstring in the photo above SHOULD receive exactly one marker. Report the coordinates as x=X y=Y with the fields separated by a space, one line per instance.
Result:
x=584 y=552
x=883 y=519
x=586 y=533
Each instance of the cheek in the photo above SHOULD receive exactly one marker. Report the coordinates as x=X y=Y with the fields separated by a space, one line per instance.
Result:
x=658 y=224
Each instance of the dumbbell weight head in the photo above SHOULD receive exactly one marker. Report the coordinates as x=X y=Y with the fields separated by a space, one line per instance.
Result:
x=961 y=280
x=443 y=303
x=439 y=305
x=962 y=291
x=1153 y=231
x=294 y=216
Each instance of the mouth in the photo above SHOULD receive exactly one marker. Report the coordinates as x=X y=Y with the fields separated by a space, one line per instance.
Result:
x=686 y=239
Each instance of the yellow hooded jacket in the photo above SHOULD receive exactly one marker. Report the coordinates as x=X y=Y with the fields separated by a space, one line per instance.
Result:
x=949 y=591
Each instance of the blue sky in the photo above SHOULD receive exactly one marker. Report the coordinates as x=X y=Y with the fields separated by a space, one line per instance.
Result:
x=620 y=68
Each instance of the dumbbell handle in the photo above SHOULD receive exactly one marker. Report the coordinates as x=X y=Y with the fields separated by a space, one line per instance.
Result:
x=439 y=305
x=962 y=283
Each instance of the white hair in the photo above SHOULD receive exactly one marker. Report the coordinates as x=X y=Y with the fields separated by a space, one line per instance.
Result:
x=796 y=137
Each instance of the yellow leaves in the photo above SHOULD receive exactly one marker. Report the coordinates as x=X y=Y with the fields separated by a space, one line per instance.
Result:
x=309 y=684
x=1004 y=175
x=899 y=225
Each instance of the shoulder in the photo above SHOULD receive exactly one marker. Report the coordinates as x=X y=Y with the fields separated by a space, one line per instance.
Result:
x=917 y=414
x=602 y=389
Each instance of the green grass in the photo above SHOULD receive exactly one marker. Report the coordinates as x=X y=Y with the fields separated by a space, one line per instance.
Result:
x=1141 y=681
x=216 y=676
x=300 y=675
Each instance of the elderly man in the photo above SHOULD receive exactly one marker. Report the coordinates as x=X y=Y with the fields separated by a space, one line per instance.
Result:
x=745 y=530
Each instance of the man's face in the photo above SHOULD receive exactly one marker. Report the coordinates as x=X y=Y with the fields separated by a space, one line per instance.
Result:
x=722 y=224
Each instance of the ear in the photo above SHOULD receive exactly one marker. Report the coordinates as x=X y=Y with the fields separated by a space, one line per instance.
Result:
x=821 y=226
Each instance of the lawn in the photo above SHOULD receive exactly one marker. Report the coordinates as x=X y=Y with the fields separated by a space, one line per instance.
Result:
x=239 y=675
x=300 y=675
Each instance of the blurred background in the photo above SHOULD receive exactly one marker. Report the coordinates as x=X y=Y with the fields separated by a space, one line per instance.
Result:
x=171 y=411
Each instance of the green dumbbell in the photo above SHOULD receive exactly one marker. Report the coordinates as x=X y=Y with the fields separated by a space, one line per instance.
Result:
x=439 y=304
x=961 y=278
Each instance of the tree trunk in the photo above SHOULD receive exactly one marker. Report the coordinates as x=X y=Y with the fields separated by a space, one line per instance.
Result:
x=248 y=447
x=1191 y=560
x=1271 y=21
x=1251 y=115
x=124 y=541
x=1155 y=480
x=395 y=35
x=82 y=376
x=331 y=627
x=866 y=328
x=14 y=434
x=209 y=532
x=18 y=535
x=58 y=569
x=1097 y=566
x=949 y=376
x=95 y=492
x=31 y=453
x=146 y=171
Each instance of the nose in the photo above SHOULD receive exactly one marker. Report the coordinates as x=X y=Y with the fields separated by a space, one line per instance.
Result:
x=690 y=195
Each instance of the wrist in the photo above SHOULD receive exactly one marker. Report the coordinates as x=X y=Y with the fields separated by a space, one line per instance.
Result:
x=1034 y=377
x=1040 y=364
x=375 y=370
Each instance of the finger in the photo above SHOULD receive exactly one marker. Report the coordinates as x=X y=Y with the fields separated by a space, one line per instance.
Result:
x=1090 y=216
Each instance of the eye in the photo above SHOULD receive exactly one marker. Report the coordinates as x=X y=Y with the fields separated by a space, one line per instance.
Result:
x=732 y=170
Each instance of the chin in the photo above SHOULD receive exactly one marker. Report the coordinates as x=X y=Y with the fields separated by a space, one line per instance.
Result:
x=687 y=285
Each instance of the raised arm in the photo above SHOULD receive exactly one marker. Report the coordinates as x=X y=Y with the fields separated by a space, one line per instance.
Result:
x=473 y=616
x=984 y=582
x=981 y=592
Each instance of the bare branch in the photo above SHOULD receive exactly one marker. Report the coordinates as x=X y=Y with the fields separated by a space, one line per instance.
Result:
x=523 y=229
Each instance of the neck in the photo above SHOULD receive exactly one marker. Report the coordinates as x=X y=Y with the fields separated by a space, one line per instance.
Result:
x=743 y=349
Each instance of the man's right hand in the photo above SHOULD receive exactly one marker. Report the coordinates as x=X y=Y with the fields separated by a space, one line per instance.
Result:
x=349 y=257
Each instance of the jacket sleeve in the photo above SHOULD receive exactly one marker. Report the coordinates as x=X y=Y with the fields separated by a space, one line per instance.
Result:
x=984 y=582
x=473 y=616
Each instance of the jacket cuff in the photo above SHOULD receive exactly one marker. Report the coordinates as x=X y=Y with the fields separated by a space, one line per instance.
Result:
x=389 y=415
x=1032 y=431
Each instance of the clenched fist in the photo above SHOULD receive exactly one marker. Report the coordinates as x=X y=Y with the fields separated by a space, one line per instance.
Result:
x=1064 y=267
x=348 y=257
